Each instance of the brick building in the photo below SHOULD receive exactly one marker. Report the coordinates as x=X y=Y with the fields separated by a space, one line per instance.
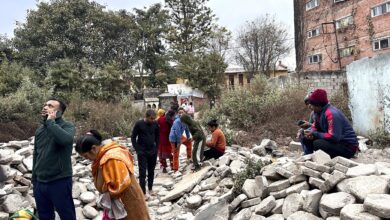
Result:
x=330 y=34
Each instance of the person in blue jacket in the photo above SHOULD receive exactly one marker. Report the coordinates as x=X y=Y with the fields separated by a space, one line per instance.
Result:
x=331 y=131
x=176 y=138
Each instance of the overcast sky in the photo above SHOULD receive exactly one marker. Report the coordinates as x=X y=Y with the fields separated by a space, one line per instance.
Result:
x=231 y=13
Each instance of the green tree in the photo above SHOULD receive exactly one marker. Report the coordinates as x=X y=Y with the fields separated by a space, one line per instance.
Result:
x=192 y=23
x=152 y=26
x=205 y=71
x=75 y=29
x=11 y=76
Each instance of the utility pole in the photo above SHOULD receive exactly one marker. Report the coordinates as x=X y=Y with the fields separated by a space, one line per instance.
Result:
x=333 y=23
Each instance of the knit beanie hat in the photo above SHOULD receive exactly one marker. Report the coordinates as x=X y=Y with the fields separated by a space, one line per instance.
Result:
x=318 y=98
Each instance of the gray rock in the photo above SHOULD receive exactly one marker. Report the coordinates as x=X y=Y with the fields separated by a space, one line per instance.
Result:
x=292 y=204
x=356 y=212
x=265 y=206
x=224 y=160
x=164 y=210
x=332 y=181
x=28 y=162
x=320 y=157
x=295 y=146
x=284 y=172
x=297 y=179
x=87 y=197
x=250 y=202
x=5 y=172
x=259 y=150
x=383 y=168
x=346 y=162
x=378 y=205
x=251 y=189
x=310 y=172
x=17 y=159
x=341 y=168
x=208 y=184
x=236 y=166
x=275 y=217
x=316 y=182
x=333 y=218
x=79 y=213
x=362 y=186
x=14 y=202
x=217 y=211
x=186 y=184
x=262 y=183
x=311 y=200
x=278 y=185
x=362 y=170
x=237 y=201
x=244 y=214
x=257 y=217
x=325 y=176
x=6 y=156
x=301 y=215
x=280 y=194
x=331 y=204
x=89 y=212
x=227 y=182
x=270 y=173
x=4 y=216
x=22 y=168
x=77 y=189
x=278 y=209
x=317 y=167
x=297 y=188
x=194 y=201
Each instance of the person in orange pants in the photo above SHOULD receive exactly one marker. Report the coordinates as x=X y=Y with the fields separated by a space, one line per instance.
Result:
x=176 y=138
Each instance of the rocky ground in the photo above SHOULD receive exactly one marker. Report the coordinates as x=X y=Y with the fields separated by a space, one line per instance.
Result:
x=290 y=186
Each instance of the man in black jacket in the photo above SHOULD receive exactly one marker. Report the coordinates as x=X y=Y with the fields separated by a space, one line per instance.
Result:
x=52 y=166
x=145 y=139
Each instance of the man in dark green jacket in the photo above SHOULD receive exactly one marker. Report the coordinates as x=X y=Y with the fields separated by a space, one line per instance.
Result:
x=198 y=137
x=52 y=166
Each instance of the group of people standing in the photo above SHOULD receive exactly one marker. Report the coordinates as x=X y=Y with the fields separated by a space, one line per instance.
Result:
x=161 y=135
x=121 y=195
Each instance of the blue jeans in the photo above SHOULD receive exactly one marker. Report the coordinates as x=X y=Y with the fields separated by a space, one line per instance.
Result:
x=55 y=195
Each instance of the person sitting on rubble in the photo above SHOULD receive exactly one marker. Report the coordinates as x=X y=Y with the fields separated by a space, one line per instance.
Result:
x=303 y=124
x=331 y=131
x=217 y=144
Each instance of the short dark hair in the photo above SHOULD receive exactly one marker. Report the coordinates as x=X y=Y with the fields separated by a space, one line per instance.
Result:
x=190 y=103
x=213 y=123
x=84 y=143
x=150 y=112
x=62 y=103
x=181 y=108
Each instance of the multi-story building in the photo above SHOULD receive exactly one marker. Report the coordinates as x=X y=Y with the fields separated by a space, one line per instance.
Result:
x=330 y=34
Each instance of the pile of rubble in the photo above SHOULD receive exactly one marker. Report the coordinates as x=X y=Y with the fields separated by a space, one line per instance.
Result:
x=309 y=187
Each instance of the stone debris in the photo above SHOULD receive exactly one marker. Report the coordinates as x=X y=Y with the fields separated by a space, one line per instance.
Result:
x=310 y=187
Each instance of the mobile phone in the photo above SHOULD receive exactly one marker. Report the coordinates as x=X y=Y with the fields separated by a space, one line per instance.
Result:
x=300 y=122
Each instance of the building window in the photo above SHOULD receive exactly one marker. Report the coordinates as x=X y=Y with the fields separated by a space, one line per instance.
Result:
x=336 y=1
x=380 y=9
x=348 y=51
x=315 y=58
x=314 y=32
x=344 y=22
x=231 y=81
x=381 y=44
x=312 y=4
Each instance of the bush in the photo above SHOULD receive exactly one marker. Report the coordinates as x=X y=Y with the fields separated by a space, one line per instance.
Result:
x=111 y=119
x=380 y=138
x=262 y=111
x=25 y=103
x=252 y=170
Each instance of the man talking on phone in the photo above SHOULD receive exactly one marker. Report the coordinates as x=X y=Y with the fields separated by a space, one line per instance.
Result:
x=52 y=166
